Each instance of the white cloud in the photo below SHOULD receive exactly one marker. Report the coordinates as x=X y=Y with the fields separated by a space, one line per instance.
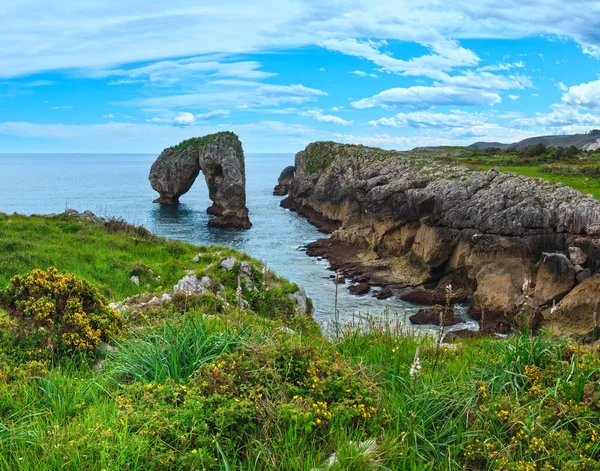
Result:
x=170 y=72
x=561 y=119
x=419 y=97
x=103 y=35
x=184 y=119
x=446 y=55
x=586 y=95
x=216 y=114
x=62 y=107
x=360 y=73
x=429 y=119
x=503 y=66
x=485 y=81
x=513 y=97
x=262 y=95
x=109 y=116
x=561 y=86
x=325 y=118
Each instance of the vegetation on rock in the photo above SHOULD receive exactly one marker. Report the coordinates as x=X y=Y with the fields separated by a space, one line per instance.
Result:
x=197 y=142
x=235 y=378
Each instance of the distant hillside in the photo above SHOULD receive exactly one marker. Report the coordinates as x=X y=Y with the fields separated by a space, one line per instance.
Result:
x=587 y=141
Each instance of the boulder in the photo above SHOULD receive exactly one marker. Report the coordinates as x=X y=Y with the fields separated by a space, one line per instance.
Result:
x=555 y=278
x=193 y=285
x=583 y=275
x=284 y=181
x=221 y=159
x=301 y=301
x=135 y=280
x=432 y=316
x=359 y=289
x=577 y=256
x=500 y=286
x=228 y=263
x=575 y=313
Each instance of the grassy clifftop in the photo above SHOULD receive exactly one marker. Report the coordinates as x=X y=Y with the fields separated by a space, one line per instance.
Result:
x=237 y=378
x=198 y=142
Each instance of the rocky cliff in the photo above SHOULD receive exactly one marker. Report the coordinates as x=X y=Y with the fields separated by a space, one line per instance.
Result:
x=221 y=159
x=415 y=226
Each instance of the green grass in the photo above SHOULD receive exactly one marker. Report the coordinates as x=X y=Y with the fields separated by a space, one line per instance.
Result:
x=198 y=142
x=105 y=258
x=207 y=385
x=583 y=183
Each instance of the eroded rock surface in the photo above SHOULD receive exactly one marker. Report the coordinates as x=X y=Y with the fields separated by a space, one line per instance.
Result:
x=424 y=224
x=221 y=159
x=284 y=181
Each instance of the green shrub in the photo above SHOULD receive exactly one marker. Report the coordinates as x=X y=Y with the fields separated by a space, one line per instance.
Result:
x=59 y=314
x=170 y=352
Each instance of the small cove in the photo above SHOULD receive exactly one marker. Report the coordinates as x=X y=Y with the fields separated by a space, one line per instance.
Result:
x=116 y=185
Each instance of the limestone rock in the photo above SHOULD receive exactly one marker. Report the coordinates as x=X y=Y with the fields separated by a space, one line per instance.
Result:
x=575 y=313
x=555 y=277
x=583 y=275
x=431 y=316
x=301 y=301
x=284 y=181
x=193 y=285
x=577 y=256
x=228 y=263
x=359 y=289
x=500 y=286
x=221 y=159
x=135 y=280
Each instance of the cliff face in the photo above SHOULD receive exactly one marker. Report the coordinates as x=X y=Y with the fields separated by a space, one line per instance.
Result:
x=221 y=159
x=407 y=223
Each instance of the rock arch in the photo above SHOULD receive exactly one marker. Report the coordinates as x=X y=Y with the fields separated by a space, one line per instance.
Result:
x=220 y=158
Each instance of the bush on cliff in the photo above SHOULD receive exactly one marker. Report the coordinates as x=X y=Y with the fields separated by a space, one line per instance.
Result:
x=58 y=314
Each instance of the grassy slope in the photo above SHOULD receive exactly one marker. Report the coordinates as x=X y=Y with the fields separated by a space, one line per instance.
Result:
x=106 y=259
x=582 y=183
x=265 y=398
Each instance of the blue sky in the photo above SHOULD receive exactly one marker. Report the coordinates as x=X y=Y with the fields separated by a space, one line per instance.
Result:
x=138 y=76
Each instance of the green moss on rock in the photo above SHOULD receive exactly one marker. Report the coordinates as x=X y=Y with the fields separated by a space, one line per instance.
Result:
x=198 y=142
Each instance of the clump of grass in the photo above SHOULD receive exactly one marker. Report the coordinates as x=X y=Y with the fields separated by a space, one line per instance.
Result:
x=172 y=351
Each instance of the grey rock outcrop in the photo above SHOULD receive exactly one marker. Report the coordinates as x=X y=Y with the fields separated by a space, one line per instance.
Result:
x=284 y=182
x=221 y=159
x=410 y=222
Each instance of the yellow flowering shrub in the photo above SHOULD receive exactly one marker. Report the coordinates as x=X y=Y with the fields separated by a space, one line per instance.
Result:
x=59 y=313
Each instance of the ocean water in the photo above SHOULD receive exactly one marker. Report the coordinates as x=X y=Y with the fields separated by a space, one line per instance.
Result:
x=117 y=185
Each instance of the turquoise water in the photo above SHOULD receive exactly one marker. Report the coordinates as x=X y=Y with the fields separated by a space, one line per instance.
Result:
x=117 y=185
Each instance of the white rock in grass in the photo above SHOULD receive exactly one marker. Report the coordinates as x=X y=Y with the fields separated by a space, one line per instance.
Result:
x=228 y=263
x=135 y=280
x=193 y=285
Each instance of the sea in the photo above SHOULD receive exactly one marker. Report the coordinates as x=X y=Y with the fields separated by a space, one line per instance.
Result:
x=116 y=185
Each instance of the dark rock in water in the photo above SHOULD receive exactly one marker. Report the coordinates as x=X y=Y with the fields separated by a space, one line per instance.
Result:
x=284 y=181
x=384 y=293
x=418 y=296
x=359 y=289
x=221 y=159
x=432 y=316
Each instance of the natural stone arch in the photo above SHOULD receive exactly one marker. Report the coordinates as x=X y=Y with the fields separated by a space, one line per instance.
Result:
x=221 y=159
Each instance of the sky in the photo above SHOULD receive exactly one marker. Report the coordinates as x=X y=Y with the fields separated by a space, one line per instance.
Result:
x=138 y=76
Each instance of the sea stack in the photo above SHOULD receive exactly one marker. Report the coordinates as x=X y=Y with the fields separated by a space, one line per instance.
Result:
x=220 y=158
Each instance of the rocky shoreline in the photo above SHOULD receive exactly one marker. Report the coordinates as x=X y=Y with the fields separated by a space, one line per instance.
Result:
x=411 y=228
